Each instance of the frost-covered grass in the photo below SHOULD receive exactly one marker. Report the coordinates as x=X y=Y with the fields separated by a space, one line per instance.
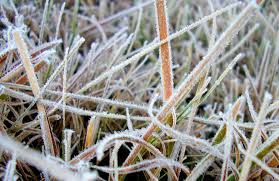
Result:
x=139 y=90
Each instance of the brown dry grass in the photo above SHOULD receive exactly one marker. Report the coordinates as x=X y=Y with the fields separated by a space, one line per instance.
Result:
x=145 y=90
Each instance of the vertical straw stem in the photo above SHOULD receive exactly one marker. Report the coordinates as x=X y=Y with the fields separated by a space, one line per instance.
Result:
x=26 y=61
x=165 y=50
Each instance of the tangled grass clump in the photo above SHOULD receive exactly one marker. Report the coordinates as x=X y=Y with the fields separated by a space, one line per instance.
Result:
x=145 y=90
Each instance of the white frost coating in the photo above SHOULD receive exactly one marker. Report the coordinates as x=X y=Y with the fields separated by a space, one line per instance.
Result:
x=37 y=160
x=2 y=89
x=46 y=46
x=41 y=35
x=88 y=176
x=101 y=100
x=255 y=137
x=41 y=118
x=184 y=89
x=65 y=85
x=168 y=43
x=222 y=76
x=271 y=140
x=10 y=169
x=239 y=44
x=67 y=143
x=200 y=168
x=227 y=150
x=45 y=55
x=62 y=64
x=251 y=108
x=129 y=122
x=114 y=158
x=59 y=20
x=83 y=166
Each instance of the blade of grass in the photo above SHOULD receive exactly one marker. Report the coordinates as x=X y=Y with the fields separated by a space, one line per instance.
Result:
x=165 y=49
x=42 y=30
x=10 y=170
x=37 y=159
x=50 y=144
x=89 y=132
x=255 y=138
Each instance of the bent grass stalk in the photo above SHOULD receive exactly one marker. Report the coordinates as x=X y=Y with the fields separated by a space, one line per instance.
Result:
x=143 y=166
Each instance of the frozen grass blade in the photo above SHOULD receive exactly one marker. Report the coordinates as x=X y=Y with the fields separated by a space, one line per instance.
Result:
x=23 y=79
x=231 y=118
x=206 y=162
x=274 y=61
x=90 y=132
x=227 y=151
x=47 y=134
x=53 y=76
x=65 y=85
x=129 y=122
x=165 y=48
x=67 y=144
x=59 y=20
x=255 y=138
x=114 y=158
x=125 y=137
x=37 y=160
x=269 y=145
x=144 y=165
x=214 y=26
x=45 y=13
x=239 y=44
x=261 y=164
x=10 y=170
x=201 y=168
